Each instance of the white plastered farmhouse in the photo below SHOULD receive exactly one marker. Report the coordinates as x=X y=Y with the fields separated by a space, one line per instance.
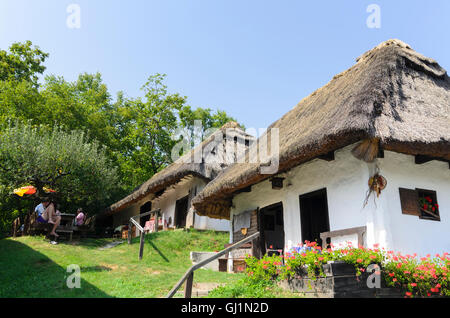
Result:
x=172 y=189
x=363 y=159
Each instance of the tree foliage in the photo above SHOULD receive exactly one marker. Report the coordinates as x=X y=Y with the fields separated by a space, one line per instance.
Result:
x=79 y=171
x=22 y=63
x=131 y=136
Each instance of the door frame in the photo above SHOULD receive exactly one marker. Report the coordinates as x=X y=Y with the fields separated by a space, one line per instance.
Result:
x=262 y=238
x=176 y=214
x=312 y=194
x=141 y=208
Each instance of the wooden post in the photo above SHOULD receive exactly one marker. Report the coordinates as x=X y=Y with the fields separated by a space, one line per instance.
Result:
x=188 y=286
x=156 y=222
x=141 y=245
x=130 y=227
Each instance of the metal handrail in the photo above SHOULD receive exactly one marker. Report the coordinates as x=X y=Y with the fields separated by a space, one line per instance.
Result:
x=189 y=275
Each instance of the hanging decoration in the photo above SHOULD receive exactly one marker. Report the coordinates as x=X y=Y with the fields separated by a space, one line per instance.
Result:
x=376 y=183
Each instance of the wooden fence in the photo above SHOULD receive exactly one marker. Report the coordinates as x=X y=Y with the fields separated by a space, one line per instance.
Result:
x=156 y=213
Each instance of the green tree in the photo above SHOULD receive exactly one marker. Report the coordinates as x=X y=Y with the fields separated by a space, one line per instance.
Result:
x=208 y=119
x=22 y=63
x=78 y=170
x=135 y=132
x=145 y=127
x=84 y=104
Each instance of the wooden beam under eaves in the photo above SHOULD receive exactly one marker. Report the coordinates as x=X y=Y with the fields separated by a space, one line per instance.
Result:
x=328 y=156
x=246 y=189
x=277 y=183
x=421 y=159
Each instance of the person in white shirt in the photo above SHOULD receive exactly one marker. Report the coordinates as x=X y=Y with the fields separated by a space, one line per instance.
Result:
x=39 y=209
x=50 y=215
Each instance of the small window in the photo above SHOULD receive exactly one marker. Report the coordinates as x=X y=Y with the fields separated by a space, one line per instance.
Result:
x=420 y=202
x=429 y=207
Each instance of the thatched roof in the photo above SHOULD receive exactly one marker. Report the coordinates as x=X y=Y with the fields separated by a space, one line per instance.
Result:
x=187 y=165
x=392 y=93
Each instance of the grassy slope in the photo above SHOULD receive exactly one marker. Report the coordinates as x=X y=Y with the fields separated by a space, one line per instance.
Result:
x=31 y=267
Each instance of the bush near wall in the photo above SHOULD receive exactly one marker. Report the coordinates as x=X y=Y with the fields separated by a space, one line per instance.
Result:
x=417 y=277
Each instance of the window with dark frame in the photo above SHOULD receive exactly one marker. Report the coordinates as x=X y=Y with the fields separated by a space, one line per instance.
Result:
x=420 y=202
x=429 y=208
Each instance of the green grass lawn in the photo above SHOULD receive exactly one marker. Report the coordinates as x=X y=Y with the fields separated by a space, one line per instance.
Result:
x=31 y=267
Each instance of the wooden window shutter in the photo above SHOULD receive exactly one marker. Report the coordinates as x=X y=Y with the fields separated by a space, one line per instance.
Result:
x=410 y=201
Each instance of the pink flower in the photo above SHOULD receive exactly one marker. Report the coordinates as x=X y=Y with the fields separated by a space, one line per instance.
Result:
x=359 y=260
x=413 y=284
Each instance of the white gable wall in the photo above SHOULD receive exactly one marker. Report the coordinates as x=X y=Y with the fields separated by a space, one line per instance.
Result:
x=409 y=233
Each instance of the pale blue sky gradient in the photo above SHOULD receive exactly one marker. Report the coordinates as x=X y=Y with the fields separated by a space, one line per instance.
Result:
x=253 y=59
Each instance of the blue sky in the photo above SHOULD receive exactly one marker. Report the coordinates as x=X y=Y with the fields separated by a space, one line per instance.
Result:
x=254 y=59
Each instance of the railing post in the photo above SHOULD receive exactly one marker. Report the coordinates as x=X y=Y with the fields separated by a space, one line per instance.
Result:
x=141 y=245
x=189 y=275
x=156 y=222
x=130 y=227
x=188 y=287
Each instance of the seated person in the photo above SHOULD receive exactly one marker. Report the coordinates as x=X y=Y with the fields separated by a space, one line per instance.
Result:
x=39 y=209
x=51 y=215
x=80 y=218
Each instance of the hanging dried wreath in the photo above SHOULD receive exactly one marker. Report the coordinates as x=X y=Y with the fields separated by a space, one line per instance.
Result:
x=377 y=183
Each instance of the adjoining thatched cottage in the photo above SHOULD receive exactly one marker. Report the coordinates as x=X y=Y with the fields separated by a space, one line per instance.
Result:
x=364 y=158
x=172 y=189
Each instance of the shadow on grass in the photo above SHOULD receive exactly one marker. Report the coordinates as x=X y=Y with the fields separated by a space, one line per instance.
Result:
x=149 y=239
x=84 y=269
x=89 y=243
x=28 y=273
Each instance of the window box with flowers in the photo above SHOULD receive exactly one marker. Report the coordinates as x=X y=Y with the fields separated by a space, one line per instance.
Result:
x=343 y=272
x=429 y=207
x=420 y=202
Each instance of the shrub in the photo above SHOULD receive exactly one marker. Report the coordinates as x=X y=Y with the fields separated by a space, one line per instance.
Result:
x=418 y=277
x=425 y=277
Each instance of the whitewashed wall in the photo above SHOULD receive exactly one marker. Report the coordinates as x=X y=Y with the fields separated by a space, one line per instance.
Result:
x=346 y=181
x=167 y=204
x=408 y=233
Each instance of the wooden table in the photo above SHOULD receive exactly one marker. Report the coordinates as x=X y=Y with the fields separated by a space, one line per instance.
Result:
x=66 y=225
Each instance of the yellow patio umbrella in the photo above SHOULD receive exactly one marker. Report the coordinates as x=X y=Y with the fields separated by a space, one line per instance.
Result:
x=30 y=190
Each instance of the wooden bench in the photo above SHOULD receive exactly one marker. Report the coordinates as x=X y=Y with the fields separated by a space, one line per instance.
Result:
x=237 y=257
x=38 y=227
x=359 y=231
x=87 y=227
